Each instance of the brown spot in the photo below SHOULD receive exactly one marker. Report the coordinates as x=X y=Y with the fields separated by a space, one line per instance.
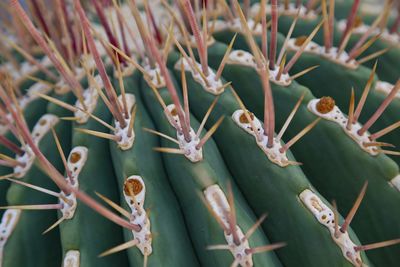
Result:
x=240 y=54
x=358 y=22
x=300 y=40
x=133 y=185
x=174 y=112
x=243 y=117
x=325 y=104
x=323 y=217
x=42 y=122
x=75 y=157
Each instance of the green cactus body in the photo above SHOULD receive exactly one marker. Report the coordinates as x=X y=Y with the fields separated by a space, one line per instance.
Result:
x=26 y=246
x=170 y=244
x=268 y=184
x=91 y=167
x=192 y=180
x=324 y=160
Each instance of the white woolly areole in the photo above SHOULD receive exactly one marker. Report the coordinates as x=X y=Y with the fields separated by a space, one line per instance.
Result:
x=90 y=97
x=385 y=88
x=126 y=138
x=8 y=222
x=391 y=38
x=154 y=76
x=235 y=25
x=72 y=258
x=220 y=206
x=76 y=161
x=189 y=148
x=26 y=99
x=244 y=58
x=212 y=86
x=336 y=115
x=139 y=215
x=292 y=10
x=272 y=153
x=332 y=55
x=63 y=87
x=395 y=182
x=42 y=127
x=126 y=70
x=326 y=217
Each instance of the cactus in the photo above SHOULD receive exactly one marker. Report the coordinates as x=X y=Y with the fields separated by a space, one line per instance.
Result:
x=199 y=133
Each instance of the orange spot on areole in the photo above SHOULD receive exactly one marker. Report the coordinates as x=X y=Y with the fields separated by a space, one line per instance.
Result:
x=358 y=22
x=325 y=104
x=243 y=117
x=300 y=40
x=174 y=112
x=133 y=185
x=75 y=157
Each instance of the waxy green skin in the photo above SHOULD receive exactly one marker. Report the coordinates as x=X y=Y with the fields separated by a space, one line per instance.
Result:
x=334 y=80
x=190 y=179
x=87 y=231
x=333 y=162
x=27 y=246
x=171 y=244
x=270 y=188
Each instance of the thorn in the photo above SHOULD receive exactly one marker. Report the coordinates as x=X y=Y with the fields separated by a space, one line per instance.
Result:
x=290 y=32
x=7 y=176
x=274 y=32
x=303 y=46
x=380 y=144
x=57 y=102
x=145 y=258
x=266 y=248
x=162 y=135
x=389 y=152
x=290 y=117
x=34 y=207
x=203 y=122
x=225 y=58
x=119 y=248
x=98 y=134
x=354 y=209
x=381 y=108
x=61 y=152
x=231 y=216
x=169 y=150
x=351 y=111
x=326 y=26
x=373 y=55
x=185 y=96
x=132 y=121
x=210 y=132
x=54 y=225
x=303 y=72
x=377 y=245
x=122 y=88
x=292 y=141
x=384 y=131
x=356 y=52
x=218 y=247
x=365 y=93
x=34 y=187
x=350 y=20
x=257 y=224
x=114 y=205
x=281 y=67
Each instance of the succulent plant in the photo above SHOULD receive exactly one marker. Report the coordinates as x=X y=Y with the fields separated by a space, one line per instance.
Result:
x=199 y=133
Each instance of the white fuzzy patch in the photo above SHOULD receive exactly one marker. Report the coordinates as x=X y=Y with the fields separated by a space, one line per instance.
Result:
x=244 y=58
x=69 y=207
x=220 y=205
x=42 y=127
x=154 y=76
x=292 y=10
x=395 y=182
x=236 y=26
x=272 y=153
x=189 y=148
x=90 y=97
x=336 y=115
x=140 y=217
x=332 y=55
x=212 y=86
x=72 y=259
x=8 y=222
x=385 y=88
x=127 y=138
x=326 y=217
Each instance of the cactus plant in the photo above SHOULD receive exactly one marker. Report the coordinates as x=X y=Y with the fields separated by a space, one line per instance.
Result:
x=198 y=133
